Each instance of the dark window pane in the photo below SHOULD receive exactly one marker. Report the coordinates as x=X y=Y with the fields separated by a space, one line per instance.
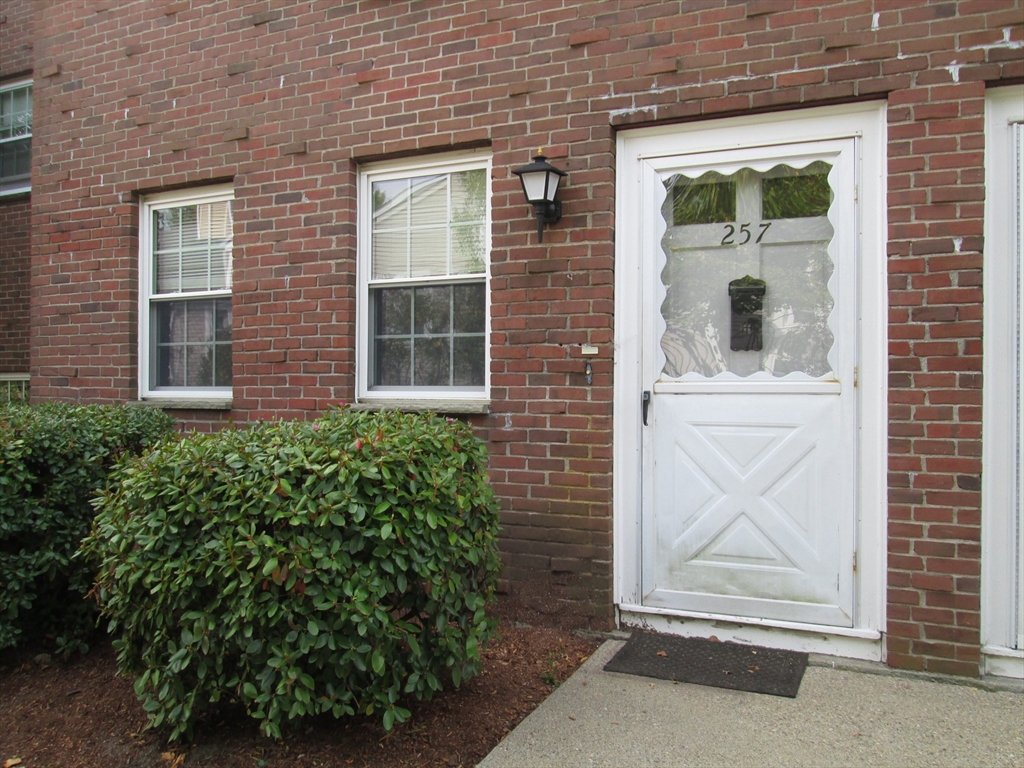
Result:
x=16 y=160
x=393 y=363
x=200 y=366
x=432 y=363
x=222 y=365
x=393 y=311
x=170 y=322
x=469 y=362
x=170 y=367
x=796 y=193
x=439 y=321
x=470 y=306
x=223 y=328
x=200 y=326
x=185 y=354
x=433 y=310
x=707 y=200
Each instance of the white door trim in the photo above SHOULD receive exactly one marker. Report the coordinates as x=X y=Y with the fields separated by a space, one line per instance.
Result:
x=867 y=124
x=1000 y=533
x=849 y=643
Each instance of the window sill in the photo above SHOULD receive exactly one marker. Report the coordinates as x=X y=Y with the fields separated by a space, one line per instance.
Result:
x=420 y=406
x=13 y=194
x=186 y=403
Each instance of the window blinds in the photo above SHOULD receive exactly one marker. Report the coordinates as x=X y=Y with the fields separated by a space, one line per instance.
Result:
x=192 y=248
x=428 y=226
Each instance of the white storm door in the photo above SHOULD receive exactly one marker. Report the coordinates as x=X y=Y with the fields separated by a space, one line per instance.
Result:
x=1002 y=480
x=750 y=442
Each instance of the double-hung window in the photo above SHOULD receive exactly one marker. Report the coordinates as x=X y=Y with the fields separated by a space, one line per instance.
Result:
x=185 y=295
x=15 y=137
x=424 y=242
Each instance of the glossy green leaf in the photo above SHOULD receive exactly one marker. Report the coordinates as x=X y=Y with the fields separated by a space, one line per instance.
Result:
x=288 y=601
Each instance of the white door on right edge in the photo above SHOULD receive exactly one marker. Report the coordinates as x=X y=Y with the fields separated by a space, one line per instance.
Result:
x=750 y=356
x=1002 y=518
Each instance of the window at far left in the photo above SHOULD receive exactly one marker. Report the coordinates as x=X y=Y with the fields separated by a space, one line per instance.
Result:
x=185 y=295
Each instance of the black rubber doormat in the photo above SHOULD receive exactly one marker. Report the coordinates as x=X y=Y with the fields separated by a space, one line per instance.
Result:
x=707 y=662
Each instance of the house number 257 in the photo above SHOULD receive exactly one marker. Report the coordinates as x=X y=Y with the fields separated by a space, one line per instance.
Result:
x=744 y=233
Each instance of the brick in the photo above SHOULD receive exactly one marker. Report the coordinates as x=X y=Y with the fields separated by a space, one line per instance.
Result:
x=294 y=148
x=585 y=36
x=265 y=17
x=240 y=67
x=15 y=288
x=322 y=92
x=235 y=134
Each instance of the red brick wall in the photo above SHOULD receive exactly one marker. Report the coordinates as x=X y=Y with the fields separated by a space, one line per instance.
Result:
x=15 y=216
x=287 y=99
x=15 y=213
x=16 y=37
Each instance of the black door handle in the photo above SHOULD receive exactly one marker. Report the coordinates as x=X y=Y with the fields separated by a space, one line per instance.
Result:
x=645 y=403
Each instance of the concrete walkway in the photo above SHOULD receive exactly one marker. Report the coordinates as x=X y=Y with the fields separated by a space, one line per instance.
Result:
x=841 y=717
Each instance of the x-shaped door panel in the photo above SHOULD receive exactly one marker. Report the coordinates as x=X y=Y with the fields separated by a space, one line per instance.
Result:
x=743 y=498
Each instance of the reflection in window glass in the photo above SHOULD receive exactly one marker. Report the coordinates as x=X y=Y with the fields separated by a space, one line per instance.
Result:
x=708 y=200
x=794 y=193
x=429 y=225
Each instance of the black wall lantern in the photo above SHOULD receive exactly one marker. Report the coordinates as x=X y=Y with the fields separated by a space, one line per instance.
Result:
x=540 y=185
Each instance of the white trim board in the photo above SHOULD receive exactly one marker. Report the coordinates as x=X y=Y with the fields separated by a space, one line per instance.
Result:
x=1002 y=662
x=1001 y=429
x=851 y=644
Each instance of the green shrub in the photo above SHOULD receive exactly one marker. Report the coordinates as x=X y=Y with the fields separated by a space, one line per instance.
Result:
x=300 y=568
x=54 y=458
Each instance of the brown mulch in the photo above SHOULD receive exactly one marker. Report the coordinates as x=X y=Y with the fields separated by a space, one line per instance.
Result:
x=80 y=714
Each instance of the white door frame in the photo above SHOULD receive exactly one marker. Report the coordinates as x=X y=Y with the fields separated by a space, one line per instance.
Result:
x=1001 y=430
x=867 y=124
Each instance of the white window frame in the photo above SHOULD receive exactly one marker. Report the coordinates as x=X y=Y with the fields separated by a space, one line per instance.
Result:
x=27 y=186
x=196 y=397
x=452 y=400
x=1002 y=479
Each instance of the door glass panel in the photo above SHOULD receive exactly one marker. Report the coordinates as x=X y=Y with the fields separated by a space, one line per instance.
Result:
x=708 y=200
x=796 y=193
x=768 y=225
